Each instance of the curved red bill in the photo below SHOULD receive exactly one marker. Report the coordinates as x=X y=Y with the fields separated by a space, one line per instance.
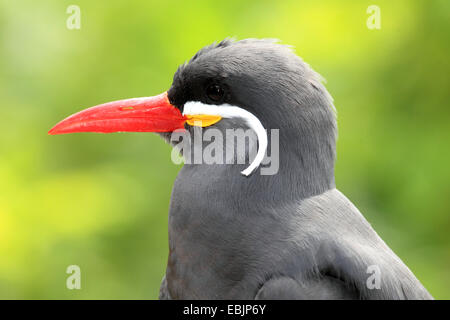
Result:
x=150 y=114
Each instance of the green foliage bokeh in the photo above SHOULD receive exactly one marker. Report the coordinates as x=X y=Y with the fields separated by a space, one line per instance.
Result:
x=101 y=201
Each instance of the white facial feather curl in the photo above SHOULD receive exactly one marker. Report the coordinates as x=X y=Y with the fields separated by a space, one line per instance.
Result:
x=229 y=111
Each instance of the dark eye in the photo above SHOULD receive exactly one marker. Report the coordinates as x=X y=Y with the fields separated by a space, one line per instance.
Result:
x=215 y=92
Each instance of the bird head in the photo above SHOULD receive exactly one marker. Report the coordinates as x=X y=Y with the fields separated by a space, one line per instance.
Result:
x=255 y=83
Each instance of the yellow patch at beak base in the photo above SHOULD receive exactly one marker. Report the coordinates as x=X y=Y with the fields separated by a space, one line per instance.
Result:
x=202 y=120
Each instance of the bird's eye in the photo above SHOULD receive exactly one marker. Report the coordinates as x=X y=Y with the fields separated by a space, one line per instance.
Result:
x=215 y=92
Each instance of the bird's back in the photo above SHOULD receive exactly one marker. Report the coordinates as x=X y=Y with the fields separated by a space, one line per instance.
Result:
x=315 y=248
x=344 y=247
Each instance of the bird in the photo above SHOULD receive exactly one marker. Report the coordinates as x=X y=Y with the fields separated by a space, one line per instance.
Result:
x=235 y=233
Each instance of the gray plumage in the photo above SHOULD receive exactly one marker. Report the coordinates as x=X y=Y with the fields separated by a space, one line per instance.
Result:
x=291 y=235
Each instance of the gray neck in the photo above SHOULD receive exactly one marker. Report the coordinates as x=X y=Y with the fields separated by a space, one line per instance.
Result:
x=306 y=168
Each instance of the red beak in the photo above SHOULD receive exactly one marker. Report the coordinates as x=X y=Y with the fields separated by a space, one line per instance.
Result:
x=152 y=114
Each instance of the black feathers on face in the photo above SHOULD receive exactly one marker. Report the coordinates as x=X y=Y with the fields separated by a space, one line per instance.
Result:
x=261 y=76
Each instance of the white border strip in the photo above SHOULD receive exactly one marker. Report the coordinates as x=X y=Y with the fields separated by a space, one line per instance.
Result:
x=229 y=111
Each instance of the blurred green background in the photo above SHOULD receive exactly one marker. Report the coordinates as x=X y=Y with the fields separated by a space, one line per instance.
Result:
x=101 y=201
